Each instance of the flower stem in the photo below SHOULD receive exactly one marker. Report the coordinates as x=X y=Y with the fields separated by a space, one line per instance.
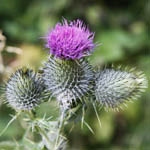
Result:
x=61 y=126
x=38 y=128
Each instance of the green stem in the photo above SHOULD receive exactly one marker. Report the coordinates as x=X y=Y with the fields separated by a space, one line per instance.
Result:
x=61 y=126
x=39 y=129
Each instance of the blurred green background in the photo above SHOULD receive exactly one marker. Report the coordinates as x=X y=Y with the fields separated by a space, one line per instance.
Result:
x=123 y=28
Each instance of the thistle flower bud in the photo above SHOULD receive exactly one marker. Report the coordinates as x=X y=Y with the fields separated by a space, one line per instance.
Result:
x=114 y=87
x=68 y=80
x=24 y=90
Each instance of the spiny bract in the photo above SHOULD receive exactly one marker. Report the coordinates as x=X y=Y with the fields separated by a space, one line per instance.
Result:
x=24 y=90
x=68 y=80
x=114 y=86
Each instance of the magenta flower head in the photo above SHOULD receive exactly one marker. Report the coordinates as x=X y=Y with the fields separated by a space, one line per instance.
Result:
x=70 y=40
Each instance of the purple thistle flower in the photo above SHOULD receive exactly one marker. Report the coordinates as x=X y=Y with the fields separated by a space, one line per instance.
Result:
x=70 y=40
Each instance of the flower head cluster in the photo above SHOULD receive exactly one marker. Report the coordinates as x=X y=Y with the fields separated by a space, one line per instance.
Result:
x=70 y=40
x=72 y=81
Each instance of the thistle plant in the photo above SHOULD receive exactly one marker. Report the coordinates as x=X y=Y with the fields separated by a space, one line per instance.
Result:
x=68 y=77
